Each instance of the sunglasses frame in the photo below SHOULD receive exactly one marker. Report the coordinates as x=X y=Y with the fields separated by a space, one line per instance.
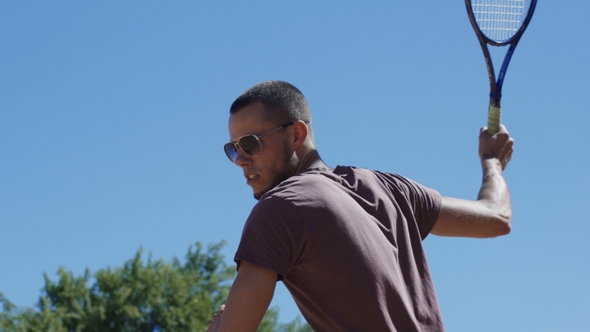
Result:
x=236 y=143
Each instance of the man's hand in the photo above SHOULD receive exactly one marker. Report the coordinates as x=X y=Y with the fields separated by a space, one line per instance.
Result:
x=214 y=324
x=499 y=146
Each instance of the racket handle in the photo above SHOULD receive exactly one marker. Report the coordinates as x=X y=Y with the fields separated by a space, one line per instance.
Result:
x=494 y=118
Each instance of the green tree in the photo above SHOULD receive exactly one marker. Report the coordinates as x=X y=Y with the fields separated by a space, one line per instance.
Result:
x=139 y=296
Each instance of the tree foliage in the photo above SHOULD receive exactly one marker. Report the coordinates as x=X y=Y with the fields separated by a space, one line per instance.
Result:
x=139 y=296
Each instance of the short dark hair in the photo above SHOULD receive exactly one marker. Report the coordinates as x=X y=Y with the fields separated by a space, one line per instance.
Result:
x=282 y=101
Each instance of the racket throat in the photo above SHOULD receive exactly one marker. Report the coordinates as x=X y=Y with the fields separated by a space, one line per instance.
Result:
x=495 y=98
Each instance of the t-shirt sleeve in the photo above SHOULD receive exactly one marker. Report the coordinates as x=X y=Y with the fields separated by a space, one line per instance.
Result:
x=425 y=203
x=270 y=237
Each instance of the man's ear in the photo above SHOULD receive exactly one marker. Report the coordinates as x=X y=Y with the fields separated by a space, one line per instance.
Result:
x=299 y=132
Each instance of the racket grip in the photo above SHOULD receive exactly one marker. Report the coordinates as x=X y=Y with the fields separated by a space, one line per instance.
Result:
x=494 y=119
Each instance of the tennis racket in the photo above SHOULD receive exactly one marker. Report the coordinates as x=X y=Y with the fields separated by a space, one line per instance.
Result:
x=498 y=23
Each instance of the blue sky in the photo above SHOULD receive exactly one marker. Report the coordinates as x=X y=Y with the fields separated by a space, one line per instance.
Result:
x=113 y=115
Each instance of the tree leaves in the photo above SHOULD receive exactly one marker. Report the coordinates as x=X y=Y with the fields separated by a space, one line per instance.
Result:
x=149 y=296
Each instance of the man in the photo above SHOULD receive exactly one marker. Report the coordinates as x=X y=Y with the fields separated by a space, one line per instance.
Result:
x=346 y=242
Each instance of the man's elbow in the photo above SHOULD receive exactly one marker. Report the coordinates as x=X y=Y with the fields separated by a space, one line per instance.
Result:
x=503 y=230
x=501 y=226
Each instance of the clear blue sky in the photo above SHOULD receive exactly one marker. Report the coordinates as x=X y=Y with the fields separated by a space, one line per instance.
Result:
x=113 y=115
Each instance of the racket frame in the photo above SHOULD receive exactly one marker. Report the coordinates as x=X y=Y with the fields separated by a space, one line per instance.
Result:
x=494 y=111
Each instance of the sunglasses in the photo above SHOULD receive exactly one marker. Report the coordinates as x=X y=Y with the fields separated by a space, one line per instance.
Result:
x=251 y=144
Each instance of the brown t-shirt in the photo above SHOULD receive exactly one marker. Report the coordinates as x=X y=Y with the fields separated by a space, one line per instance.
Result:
x=347 y=243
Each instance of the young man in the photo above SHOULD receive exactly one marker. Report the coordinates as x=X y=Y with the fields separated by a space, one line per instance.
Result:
x=347 y=242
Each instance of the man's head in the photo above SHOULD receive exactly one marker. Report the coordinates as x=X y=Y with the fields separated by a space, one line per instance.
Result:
x=277 y=115
x=282 y=102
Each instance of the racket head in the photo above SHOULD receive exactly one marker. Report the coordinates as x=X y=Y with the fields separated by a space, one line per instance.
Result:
x=500 y=22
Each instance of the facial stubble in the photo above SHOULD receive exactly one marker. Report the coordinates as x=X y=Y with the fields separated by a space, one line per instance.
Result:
x=285 y=169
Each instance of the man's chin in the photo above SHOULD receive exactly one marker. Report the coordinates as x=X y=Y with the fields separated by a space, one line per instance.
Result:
x=261 y=192
x=258 y=194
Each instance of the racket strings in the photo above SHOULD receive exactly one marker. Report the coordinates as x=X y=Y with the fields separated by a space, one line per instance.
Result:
x=499 y=20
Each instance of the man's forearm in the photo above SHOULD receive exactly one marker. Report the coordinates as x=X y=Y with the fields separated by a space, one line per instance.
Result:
x=494 y=190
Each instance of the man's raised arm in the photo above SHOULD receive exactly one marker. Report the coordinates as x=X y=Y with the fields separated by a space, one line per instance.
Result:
x=491 y=214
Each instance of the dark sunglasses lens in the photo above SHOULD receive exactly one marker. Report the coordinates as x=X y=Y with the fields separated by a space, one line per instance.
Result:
x=250 y=145
x=231 y=151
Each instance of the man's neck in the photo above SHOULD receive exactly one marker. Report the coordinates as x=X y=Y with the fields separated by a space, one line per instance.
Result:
x=311 y=159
